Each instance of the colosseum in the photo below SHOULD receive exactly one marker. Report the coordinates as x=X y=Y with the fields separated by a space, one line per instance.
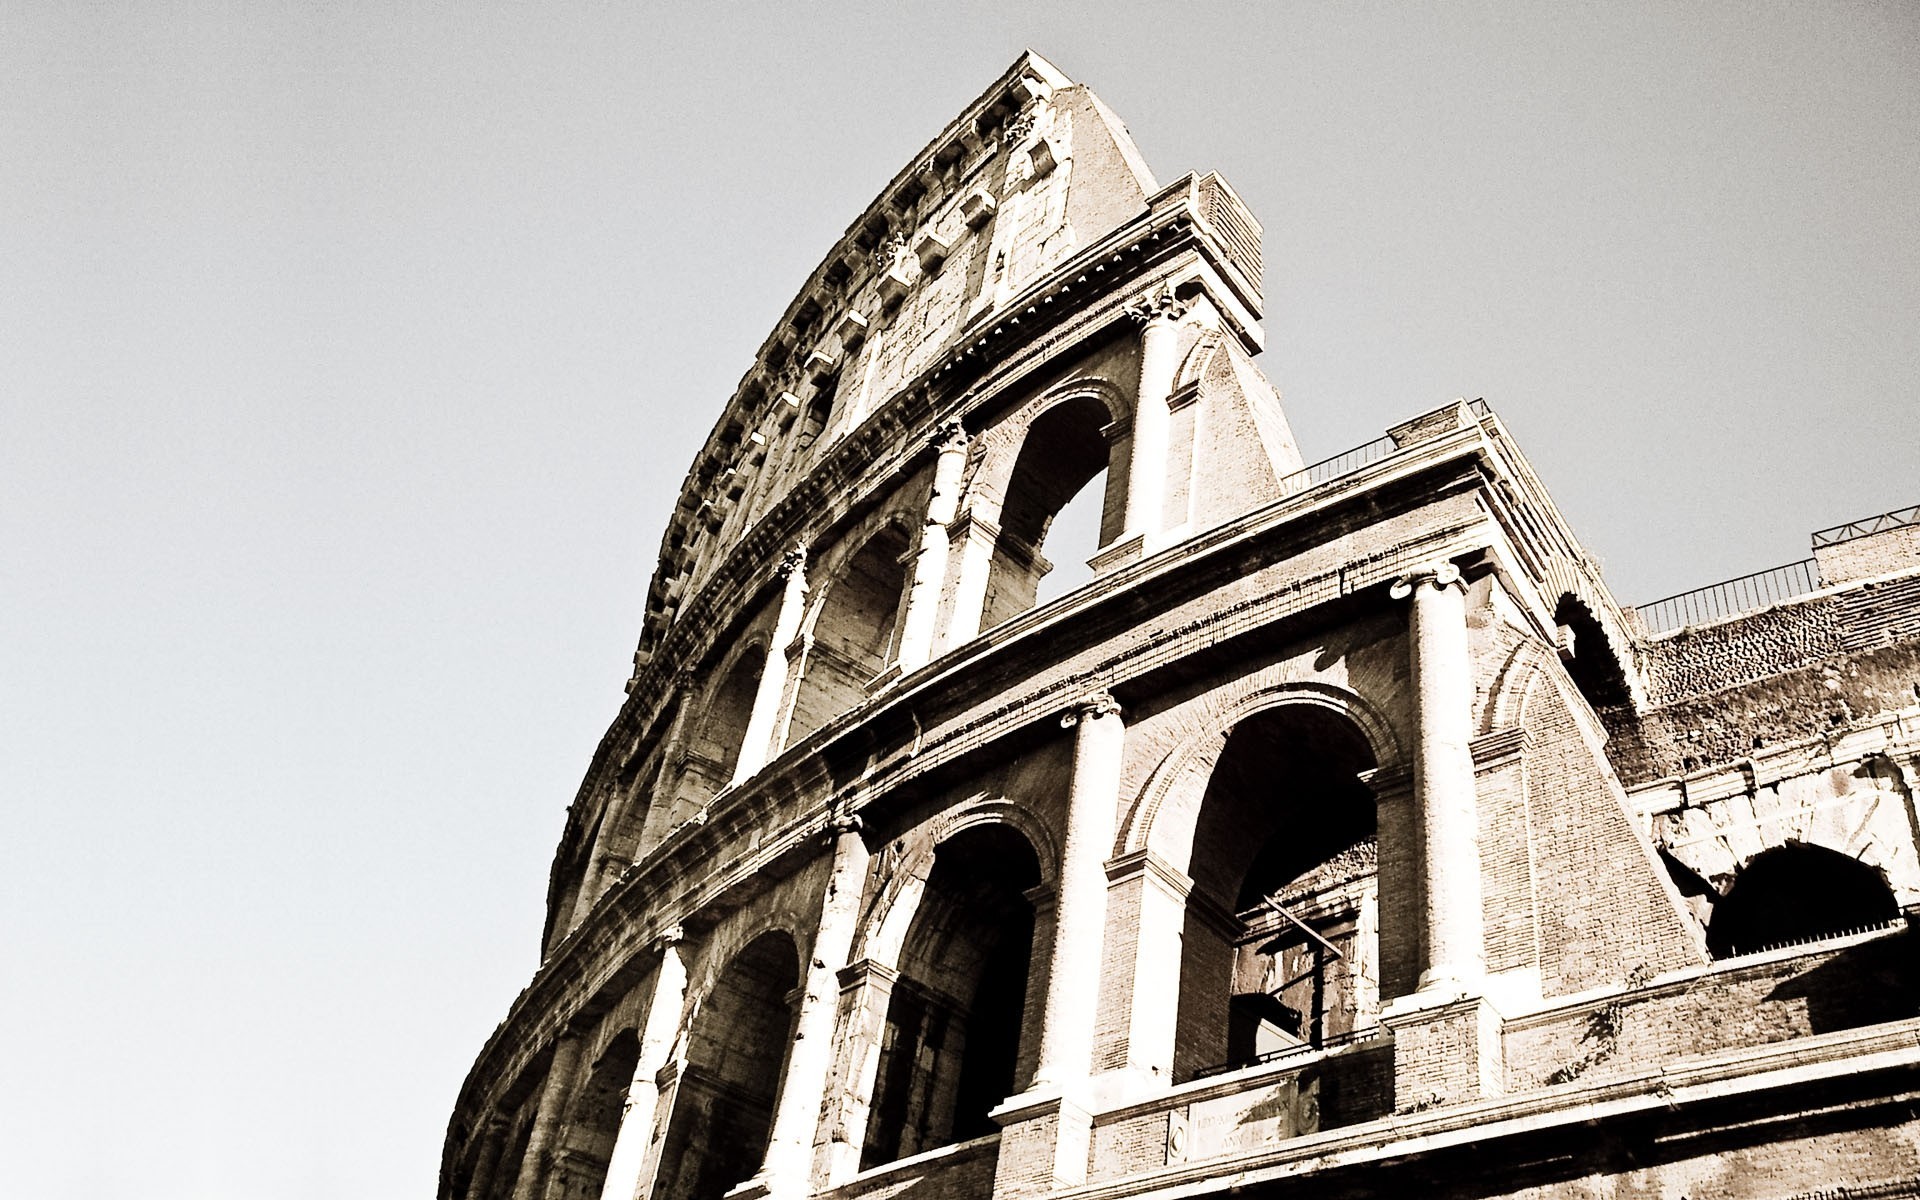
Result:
x=1333 y=832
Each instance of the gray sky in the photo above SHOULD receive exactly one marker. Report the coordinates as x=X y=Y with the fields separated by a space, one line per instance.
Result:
x=350 y=360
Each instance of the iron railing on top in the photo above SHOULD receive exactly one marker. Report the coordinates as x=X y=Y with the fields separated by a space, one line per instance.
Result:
x=1730 y=598
x=1365 y=1033
x=1899 y=518
x=1348 y=461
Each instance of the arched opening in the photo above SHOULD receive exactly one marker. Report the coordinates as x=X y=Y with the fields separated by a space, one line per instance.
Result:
x=853 y=636
x=952 y=1043
x=1281 y=944
x=1589 y=657
x=593 y=1122
x=1798 y=893
x=714 y=747
x=736 y=1051
x=1064 y=452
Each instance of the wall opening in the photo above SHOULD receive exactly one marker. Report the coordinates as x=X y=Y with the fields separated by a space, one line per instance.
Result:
x=952 y=1044
x=736 y=1051
x=714 y=747
x=593 y=1122
x=854 y=635
x=1064 y=451
x=1589 y=657
x=1281 y=943
x=1798 y=893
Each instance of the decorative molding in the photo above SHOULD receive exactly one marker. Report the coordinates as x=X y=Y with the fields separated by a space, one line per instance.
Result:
x=1159 y=305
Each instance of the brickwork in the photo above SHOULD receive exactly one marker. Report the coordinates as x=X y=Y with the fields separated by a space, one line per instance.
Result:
x=1338 y=839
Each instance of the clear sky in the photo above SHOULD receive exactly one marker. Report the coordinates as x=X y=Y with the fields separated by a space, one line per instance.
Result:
x=351 y=357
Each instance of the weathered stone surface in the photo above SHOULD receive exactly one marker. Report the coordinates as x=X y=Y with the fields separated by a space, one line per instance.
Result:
x=1340 y=836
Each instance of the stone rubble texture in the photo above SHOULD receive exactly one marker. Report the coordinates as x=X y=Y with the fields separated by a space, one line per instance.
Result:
x=1342 y=837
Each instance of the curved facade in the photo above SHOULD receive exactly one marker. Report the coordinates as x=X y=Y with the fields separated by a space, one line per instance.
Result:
x=1332 y=832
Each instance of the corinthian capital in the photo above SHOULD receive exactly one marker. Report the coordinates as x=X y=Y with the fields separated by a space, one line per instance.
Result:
x=1158 y=305
x=950 y=435
x=669 y=937
x=1090 y=708
x=792 y=561
x=1441 y=576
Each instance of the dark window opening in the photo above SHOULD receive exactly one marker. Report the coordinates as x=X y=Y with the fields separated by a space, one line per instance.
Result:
x=1280 y=949
x=1063 y=453
x=1798 y=893
x=593 y=1123
x=1590 y=658
x=853 y=637
x=951 y=1050
x=715 y=747
x=723 y=1100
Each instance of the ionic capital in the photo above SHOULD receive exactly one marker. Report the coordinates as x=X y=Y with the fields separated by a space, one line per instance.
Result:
x=1090 y=708
x=1441 y=577
x=1160 y=305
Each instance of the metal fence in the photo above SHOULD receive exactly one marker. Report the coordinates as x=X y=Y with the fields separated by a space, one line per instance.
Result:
x=1897 y=519
x=1731 y=598
x=1364 y=1034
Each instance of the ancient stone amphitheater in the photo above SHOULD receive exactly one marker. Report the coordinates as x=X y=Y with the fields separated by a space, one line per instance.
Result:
x=1333 y=832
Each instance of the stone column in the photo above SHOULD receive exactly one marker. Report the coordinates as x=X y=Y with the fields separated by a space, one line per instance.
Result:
x=1073 y=974
x=486 y=1161
x=554 y=1096
x=1159 y=316
x=930 y=561
x=796 y=1114
x=756 y=746
x=627 y=1164
x=1443 y=783
x=866 y=992
x=972 y=572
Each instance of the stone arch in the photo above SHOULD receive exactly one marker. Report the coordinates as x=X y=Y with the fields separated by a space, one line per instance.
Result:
x=1193 y=369
x=851 y=630
x=718 y=727
x=1191 y=762
x=903 y=874
x=1031 y=466
x=956 y=1033
x=1798 y=892
x=733 y=1053
x=1513 y=686
x=592 y=1120
x=1563 y=582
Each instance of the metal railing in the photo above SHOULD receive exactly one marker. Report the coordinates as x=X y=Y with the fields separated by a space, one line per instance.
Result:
x=1348 y=461
x=1899 y=518
x=1730 y=598
x=1894 y=922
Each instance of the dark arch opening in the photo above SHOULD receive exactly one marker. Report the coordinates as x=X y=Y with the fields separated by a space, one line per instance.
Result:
x=1798 y=893
x=1590 y=657
x=736 y=1052
x=1065 y=450
x=714 y=747
x=593 y=1122
x=854 y=635
x=951 y=1051
x=1281 y=945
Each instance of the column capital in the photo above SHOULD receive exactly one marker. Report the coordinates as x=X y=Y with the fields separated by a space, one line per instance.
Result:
x=845 y=823
x=668 y=938
x=949 y=436
x=1159 y=305
x=1441 y=575
x=1090 y=708
x=793 y=562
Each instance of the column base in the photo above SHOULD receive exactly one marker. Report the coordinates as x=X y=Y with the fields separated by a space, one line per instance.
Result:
x=757 y=1188
x=1044 y=1140
x=1446 y=1049
x=1129 y=549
